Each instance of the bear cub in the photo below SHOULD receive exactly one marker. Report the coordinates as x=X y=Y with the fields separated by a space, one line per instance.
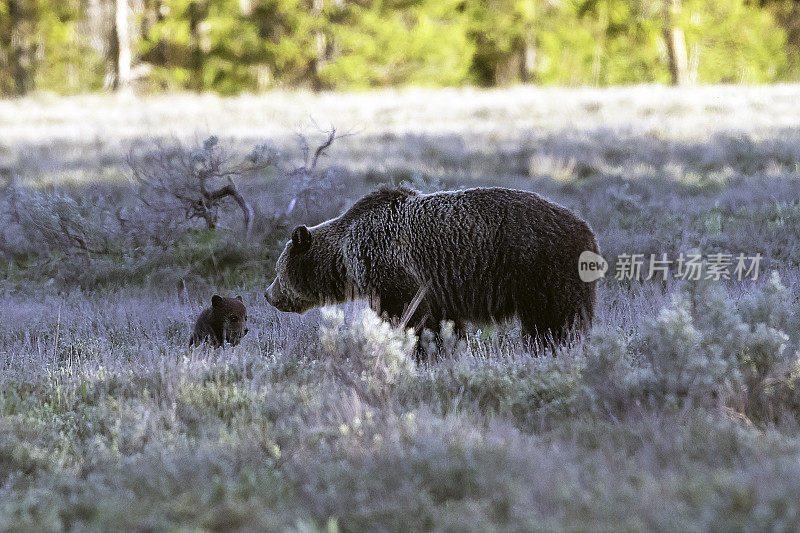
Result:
x=225 y=320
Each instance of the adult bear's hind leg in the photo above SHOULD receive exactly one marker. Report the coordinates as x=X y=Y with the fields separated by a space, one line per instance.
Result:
x=539 y=333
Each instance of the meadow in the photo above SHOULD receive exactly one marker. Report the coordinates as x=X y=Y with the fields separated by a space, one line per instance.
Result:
x=680 y=412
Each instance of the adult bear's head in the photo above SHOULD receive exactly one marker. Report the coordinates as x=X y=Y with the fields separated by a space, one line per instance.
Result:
x=331 y=263
x=308 y=272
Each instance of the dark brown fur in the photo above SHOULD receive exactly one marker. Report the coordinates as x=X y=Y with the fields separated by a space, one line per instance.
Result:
x=483 y=255
x=224 y=321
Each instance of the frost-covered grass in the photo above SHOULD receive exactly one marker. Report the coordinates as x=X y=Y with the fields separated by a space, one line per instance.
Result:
x=463 y=132
x=681 y=412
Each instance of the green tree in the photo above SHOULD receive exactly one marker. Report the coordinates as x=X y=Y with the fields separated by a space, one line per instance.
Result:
x=44 y=48
x=787 y=15
x=221 y=46
x=606 y=42
x=732 y=41
x=503 y=33
x=230 y=46
x=384 y=43
x=17 y=38
x=602 y=42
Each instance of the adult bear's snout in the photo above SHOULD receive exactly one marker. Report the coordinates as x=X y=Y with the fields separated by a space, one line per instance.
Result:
x=273 y=294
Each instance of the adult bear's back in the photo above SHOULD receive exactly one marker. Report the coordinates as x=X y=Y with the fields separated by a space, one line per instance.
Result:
x=490 y=253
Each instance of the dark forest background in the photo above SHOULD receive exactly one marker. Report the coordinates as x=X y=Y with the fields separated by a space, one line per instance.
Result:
x=235 y=46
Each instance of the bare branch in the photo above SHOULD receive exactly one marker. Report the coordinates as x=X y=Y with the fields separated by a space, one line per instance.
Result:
x=247 y=211
x=175 y=179
x=324 y=146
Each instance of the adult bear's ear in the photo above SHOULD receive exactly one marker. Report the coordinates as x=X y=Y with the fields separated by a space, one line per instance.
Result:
x=216 y=300
x=301 y=239
x=239 y=298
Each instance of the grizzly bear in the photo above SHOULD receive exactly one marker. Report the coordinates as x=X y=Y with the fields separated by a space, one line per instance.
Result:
x=225 y=320
x=479 y=255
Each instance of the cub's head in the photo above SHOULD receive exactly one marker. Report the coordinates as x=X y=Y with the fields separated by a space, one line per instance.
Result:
x=230 y=316
x=306 y=274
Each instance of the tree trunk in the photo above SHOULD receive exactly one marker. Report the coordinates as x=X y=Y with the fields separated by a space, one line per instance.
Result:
x=19 y=53
x=122 y=46
x=153 y=17
x=99 y=32
x=528 y=71
x=676 y=44
x=508 y=67
x=247 y=7
x=320 y=44
x=196 y=16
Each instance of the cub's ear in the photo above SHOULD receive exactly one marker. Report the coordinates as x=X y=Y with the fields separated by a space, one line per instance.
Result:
x=301 y=239
x=216 y=300
x=239 y=298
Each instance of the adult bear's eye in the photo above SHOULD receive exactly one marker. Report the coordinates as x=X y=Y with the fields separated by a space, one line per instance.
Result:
x=234 y=318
